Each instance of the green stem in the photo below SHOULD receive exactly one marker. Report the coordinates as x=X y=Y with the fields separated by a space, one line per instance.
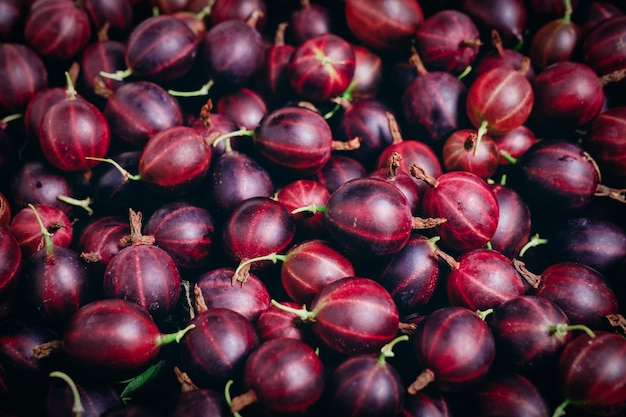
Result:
x=117 y=75
x=274 y=257
x=241 y=132
x=77 y=408
x=71 y=91
x=387 y=350
x=47 y=236
x=206 y=10
x=484 y=313
x=562 y=328
x=78 y=203
x=202 y=91
x=165 y=339
x=488 y=245
x=567 y=17
x=433 y=242
x=311 y=208
x=10 y=118
x=482 y=130
x=560 y=410
x=302 y=313
x=127 y=175
x=155 y=11
x=535 y=240
x=465 y=72
x=503 y=179
x=229 y=399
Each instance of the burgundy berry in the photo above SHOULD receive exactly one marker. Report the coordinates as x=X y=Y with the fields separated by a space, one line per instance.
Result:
x=530 y=332
x=500 y=56
x=411 y=276
x=274 y=323
x=216 y=350
x=113 y=339
x=433 y=103
x=39 y=104
x=366 y=385
x=513 y=143
x=591 y=373
x=309 y=21
x=322 y=67
x=104 y=55
x=117 y=14
x=301 y=193
x=57 y=30
x=338 y=170
x=216 y=290
x=454 y=347
x=71 y=131
x=462 y=152
x=508 y=17
x=448 y=41
x=28 y=233
x=102 y=239
x=10 y=264
x=24 y=74
x=466 y=202
x=590 y=15
x=481 y=279
x=238 y=63
x=295 y=383
x=602 y=49
x=384 y=25
x=137 y=111
x=241 y=10
x=604 y=140
x=427 y=404
x=94 y=396
x=211 y=124
x=200 y=402
x=185 y=231
x=514 y=221
x=243 y=106
x=556 y=41
x=13 y=12
x=368 y=73
x=272 y=78
x=351 y=316
x=401 y=179
x=580 y=291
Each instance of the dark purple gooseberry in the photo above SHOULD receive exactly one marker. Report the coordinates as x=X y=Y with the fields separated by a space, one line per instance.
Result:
x=412 y=274
x=426 y=404
x=38 y=105
x=243 y=106
x=96 y=398
x=455 y=347
x=104 y=55
x=213 y=123
x=18 y=338
x=468 y=205
x=257 y=227
x=508 y=394
x=294 y=139
x=401 y=179
x=194 y=20
x=24 y=74
x=448 y=41
x=307 y=22
x=57 y=30
x=169 y=6
x=310 y=265
x=500 y=56
x=603 y=50
x=368 y=217
x=72 y=130
x=433 y=103
x=591 y=373
x=199 y=403
x=237 y=64
x=240 y=10
x=10 y=264
x=384 y=26
x=175 y=161
x=462 y=152
x=590 y=15
x=234 y=177
x=530 y=333
x=184 y=231
x=580 y=291
x=216 y=350
x=160 y=48
x=37 y=182
x=272 y=79
x=366 y=119
x=139 y=110
x=301 y=193
x=12 y=13
x=604 y=140
x=514 y=142
x=113 y=339
x=216 y=289
x=118 y=14
x=482 y=279
x=508 y=17
x=102 y=239
x=275 y=322
x=295 y=382
x=556 y=41
x=338 y=170
x=366 y=385
x=368 y=73
x=596 y=242
x=352 y=316
x=567 y=95
x=27 y=231
x=143 y=273
x=514 y=222
x=322 y=67
x=557 y=174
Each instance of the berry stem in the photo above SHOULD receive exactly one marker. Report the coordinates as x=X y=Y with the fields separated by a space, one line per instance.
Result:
x=241 y=132
x=77 y=408
x=304 y=314
x=71 y=91
x=509 y=158
x=165 y=339
x=117 y=75
x=242 y=273
x=229 y=400
x=567 y=17
x=482 y=130
x=560 y=410
x=127 y=175
x=84 y=203
x=562 y=328
x=465 y=72
x=202 y=91
x=535 y=240
x=426 y=377
x=387 y=350
x=47 y=236
x=311 y=208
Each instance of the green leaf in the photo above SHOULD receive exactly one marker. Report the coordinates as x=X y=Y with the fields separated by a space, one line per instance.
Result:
x=145 y=378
